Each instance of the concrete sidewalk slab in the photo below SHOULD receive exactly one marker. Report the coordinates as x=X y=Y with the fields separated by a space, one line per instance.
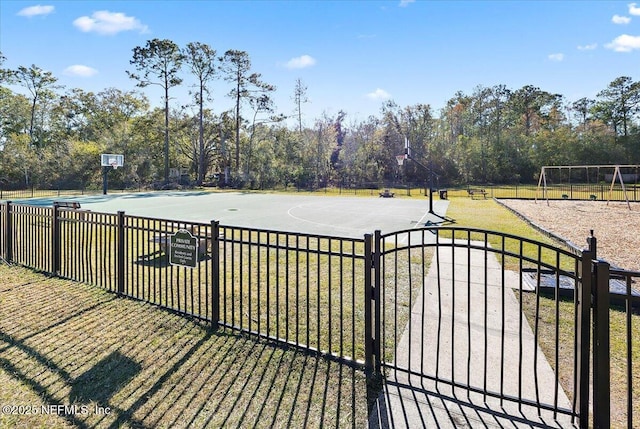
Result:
x=467 y=328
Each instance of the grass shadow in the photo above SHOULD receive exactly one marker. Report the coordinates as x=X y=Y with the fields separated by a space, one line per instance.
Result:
x=71 y=344
x=104 y=379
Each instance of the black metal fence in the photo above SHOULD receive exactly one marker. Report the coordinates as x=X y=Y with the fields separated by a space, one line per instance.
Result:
x=14 y=194
x=374 y=302
x=302 y=289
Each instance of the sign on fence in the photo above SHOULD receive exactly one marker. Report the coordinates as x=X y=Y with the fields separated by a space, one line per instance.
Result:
x=183 y=249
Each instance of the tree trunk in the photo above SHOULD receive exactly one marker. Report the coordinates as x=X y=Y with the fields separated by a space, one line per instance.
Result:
x=201 y=157
x=238 y=126
x=166 y=134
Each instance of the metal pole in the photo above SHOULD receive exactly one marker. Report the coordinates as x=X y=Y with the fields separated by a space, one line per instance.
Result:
x=56 y=243
x=583 y=310
x=120 y=267
x=8 y=234
x=377 y=289
x=105 y=170
x=601 y=343
x=431 y=187
x=368 y=303
x=592 y=242
x=215 y=273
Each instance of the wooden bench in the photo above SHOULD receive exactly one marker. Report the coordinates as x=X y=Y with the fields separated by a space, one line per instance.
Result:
x=477 y=193
x=386 y=194
x=67 y=204
x=73 y=205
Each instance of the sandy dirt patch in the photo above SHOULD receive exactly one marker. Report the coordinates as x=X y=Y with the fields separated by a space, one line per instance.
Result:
x=615 y=226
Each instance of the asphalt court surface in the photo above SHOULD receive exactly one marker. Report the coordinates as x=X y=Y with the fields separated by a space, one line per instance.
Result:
x=344 y=216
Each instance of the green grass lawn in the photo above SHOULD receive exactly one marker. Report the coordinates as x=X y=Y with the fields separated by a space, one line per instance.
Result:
x=119 y=363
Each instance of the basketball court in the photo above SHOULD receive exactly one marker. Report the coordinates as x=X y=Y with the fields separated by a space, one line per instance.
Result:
x=342 y=216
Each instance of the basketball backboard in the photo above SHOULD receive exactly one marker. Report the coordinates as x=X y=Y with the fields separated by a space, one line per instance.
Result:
x=111 y=160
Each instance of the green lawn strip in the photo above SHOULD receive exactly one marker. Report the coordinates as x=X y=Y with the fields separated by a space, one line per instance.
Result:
x=489 y=215
x=69 y=344
x=492 y=216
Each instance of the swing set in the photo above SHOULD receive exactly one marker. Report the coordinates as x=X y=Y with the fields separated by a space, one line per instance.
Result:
x=612 y=171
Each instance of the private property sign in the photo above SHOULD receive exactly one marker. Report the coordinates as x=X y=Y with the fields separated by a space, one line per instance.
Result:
x=183 y=249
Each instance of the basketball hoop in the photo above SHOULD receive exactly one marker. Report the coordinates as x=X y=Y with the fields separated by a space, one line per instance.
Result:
x=111 y=160
x=400 y=159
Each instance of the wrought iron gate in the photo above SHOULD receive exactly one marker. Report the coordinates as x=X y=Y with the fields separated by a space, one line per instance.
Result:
x=479 y=317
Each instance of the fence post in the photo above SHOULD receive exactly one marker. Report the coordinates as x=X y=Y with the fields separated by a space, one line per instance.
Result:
x=593 y=245
x=583 y=337
x=120 y=253
x=601 y=357
x=215 y=274
x=56 y=243
x=377 y=289
x=368 y=303
x=8 y=238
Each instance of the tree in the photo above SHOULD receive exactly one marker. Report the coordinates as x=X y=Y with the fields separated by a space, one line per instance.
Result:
x=260 y=104
x=299 y=97
x=236 y=66
x=340 y=135
x=40 y=84
x=89 y=117
x=325 y=137
x=201 y=58
x=583 y=107
x=619 y=102
x=530 y=104
x=456 y=115
x=158 y=63
x=4 y=74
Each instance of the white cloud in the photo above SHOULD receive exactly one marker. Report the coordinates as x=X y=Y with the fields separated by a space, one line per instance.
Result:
x=109 y=23
x=379 y=94
x=617 y=19
x=633 y=10
x=405 y=3
x=301 y=62
x=589 y=47
x=80 y=70
x=624 y=43
x=36 y=10
x=556 y=57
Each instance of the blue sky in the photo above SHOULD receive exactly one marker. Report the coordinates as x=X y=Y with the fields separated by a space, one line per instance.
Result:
x=351 y=55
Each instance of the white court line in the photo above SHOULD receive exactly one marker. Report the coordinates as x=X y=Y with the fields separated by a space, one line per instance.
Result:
x=406 y=235
x=316 y=223
x=421 y=219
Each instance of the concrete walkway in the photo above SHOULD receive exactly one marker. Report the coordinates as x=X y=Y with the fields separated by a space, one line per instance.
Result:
x=414 y=402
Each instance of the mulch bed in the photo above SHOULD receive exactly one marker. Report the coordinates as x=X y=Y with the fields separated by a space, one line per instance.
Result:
x=616 y=228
